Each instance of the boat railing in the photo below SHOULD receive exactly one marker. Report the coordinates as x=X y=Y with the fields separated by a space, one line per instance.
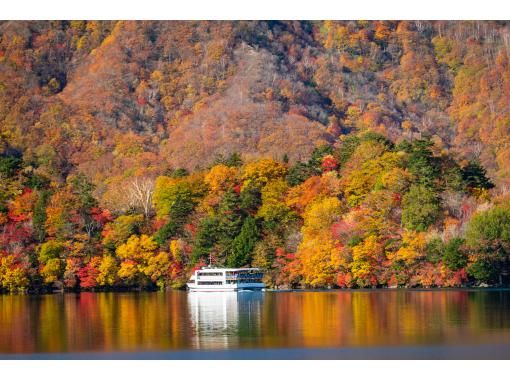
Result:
x=244 y=276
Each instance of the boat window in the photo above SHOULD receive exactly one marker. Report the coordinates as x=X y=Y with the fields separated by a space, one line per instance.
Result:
x=209 y=283
x=210 y=273
x=249 y=280
x=245 y=281
x=251 y=275
x=245 y=274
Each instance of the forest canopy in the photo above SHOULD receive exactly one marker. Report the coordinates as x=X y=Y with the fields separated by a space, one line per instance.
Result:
x=330 y=154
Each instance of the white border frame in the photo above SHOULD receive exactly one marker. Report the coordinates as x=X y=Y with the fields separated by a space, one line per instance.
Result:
x=256 y=9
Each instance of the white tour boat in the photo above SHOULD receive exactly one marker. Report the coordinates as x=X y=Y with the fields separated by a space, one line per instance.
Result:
x=210 y=279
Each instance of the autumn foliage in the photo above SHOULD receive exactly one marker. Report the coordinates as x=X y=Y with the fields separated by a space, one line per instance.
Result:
x=331 y=154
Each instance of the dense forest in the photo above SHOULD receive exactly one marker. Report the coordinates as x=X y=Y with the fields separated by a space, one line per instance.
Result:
x=330 y=154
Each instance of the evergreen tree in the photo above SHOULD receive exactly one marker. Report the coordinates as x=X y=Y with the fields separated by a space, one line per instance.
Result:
x=83 y=188
x=475 y=176
x=230 y=215
x=250 y=199
x=234 y=160
x=179 y=173
x=451 y=175
x=434 y=250
x=205 y=238
x=9 y=165
x=243 y=244
x=39 y=215
x=317 y=155
x=420 y=208
x=230 y=220
x=346 y=149
x=422 y=162
x=454 y=257
x=178 y=212
x=299 y=173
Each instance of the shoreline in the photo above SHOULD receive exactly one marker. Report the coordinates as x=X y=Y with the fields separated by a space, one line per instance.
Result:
x=297 y=290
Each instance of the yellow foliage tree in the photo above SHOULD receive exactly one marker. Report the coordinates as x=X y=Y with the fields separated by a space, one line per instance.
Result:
x=158 y=269
x=375 y=215
x=259 y=173
x=177 y=249
x=128 y=272
x=273 y=206
x=396 y=180
x=318 y=253
x=221 y=178
x=107 y=271
x=52 y=271
x=137 y=248
x=358 y=183
x=320 y=215
x=168 y=191
x=13 y=277
x=319 y=257
x=413 y=247
x=366 y=258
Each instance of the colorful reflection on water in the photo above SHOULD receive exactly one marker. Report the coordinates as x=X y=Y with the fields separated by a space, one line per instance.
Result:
x=108 y=322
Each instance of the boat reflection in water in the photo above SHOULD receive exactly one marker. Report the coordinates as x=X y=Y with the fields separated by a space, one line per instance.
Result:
x=217 y=317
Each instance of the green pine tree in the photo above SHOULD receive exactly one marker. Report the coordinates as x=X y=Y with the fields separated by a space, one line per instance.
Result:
x=39 y=215
x=230 y=215
x=205 y=238
x=243 y=244
x=420 y=208
x=475 y=176
x=422 y=162
x=178 y=212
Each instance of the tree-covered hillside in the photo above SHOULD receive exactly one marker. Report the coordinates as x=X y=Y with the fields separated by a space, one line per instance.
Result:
x=357 y=153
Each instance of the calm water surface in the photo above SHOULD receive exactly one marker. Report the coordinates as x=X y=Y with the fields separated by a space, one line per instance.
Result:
x=333 y=324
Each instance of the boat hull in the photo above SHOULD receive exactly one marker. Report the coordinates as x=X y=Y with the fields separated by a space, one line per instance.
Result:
x=225 y=288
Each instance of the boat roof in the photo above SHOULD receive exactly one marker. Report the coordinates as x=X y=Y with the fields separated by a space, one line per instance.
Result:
x=214 y=269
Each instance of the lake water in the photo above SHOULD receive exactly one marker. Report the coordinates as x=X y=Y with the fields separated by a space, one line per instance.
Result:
x=268 y=325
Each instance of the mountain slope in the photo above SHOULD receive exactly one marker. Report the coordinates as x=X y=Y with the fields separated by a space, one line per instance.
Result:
x=114 y=98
